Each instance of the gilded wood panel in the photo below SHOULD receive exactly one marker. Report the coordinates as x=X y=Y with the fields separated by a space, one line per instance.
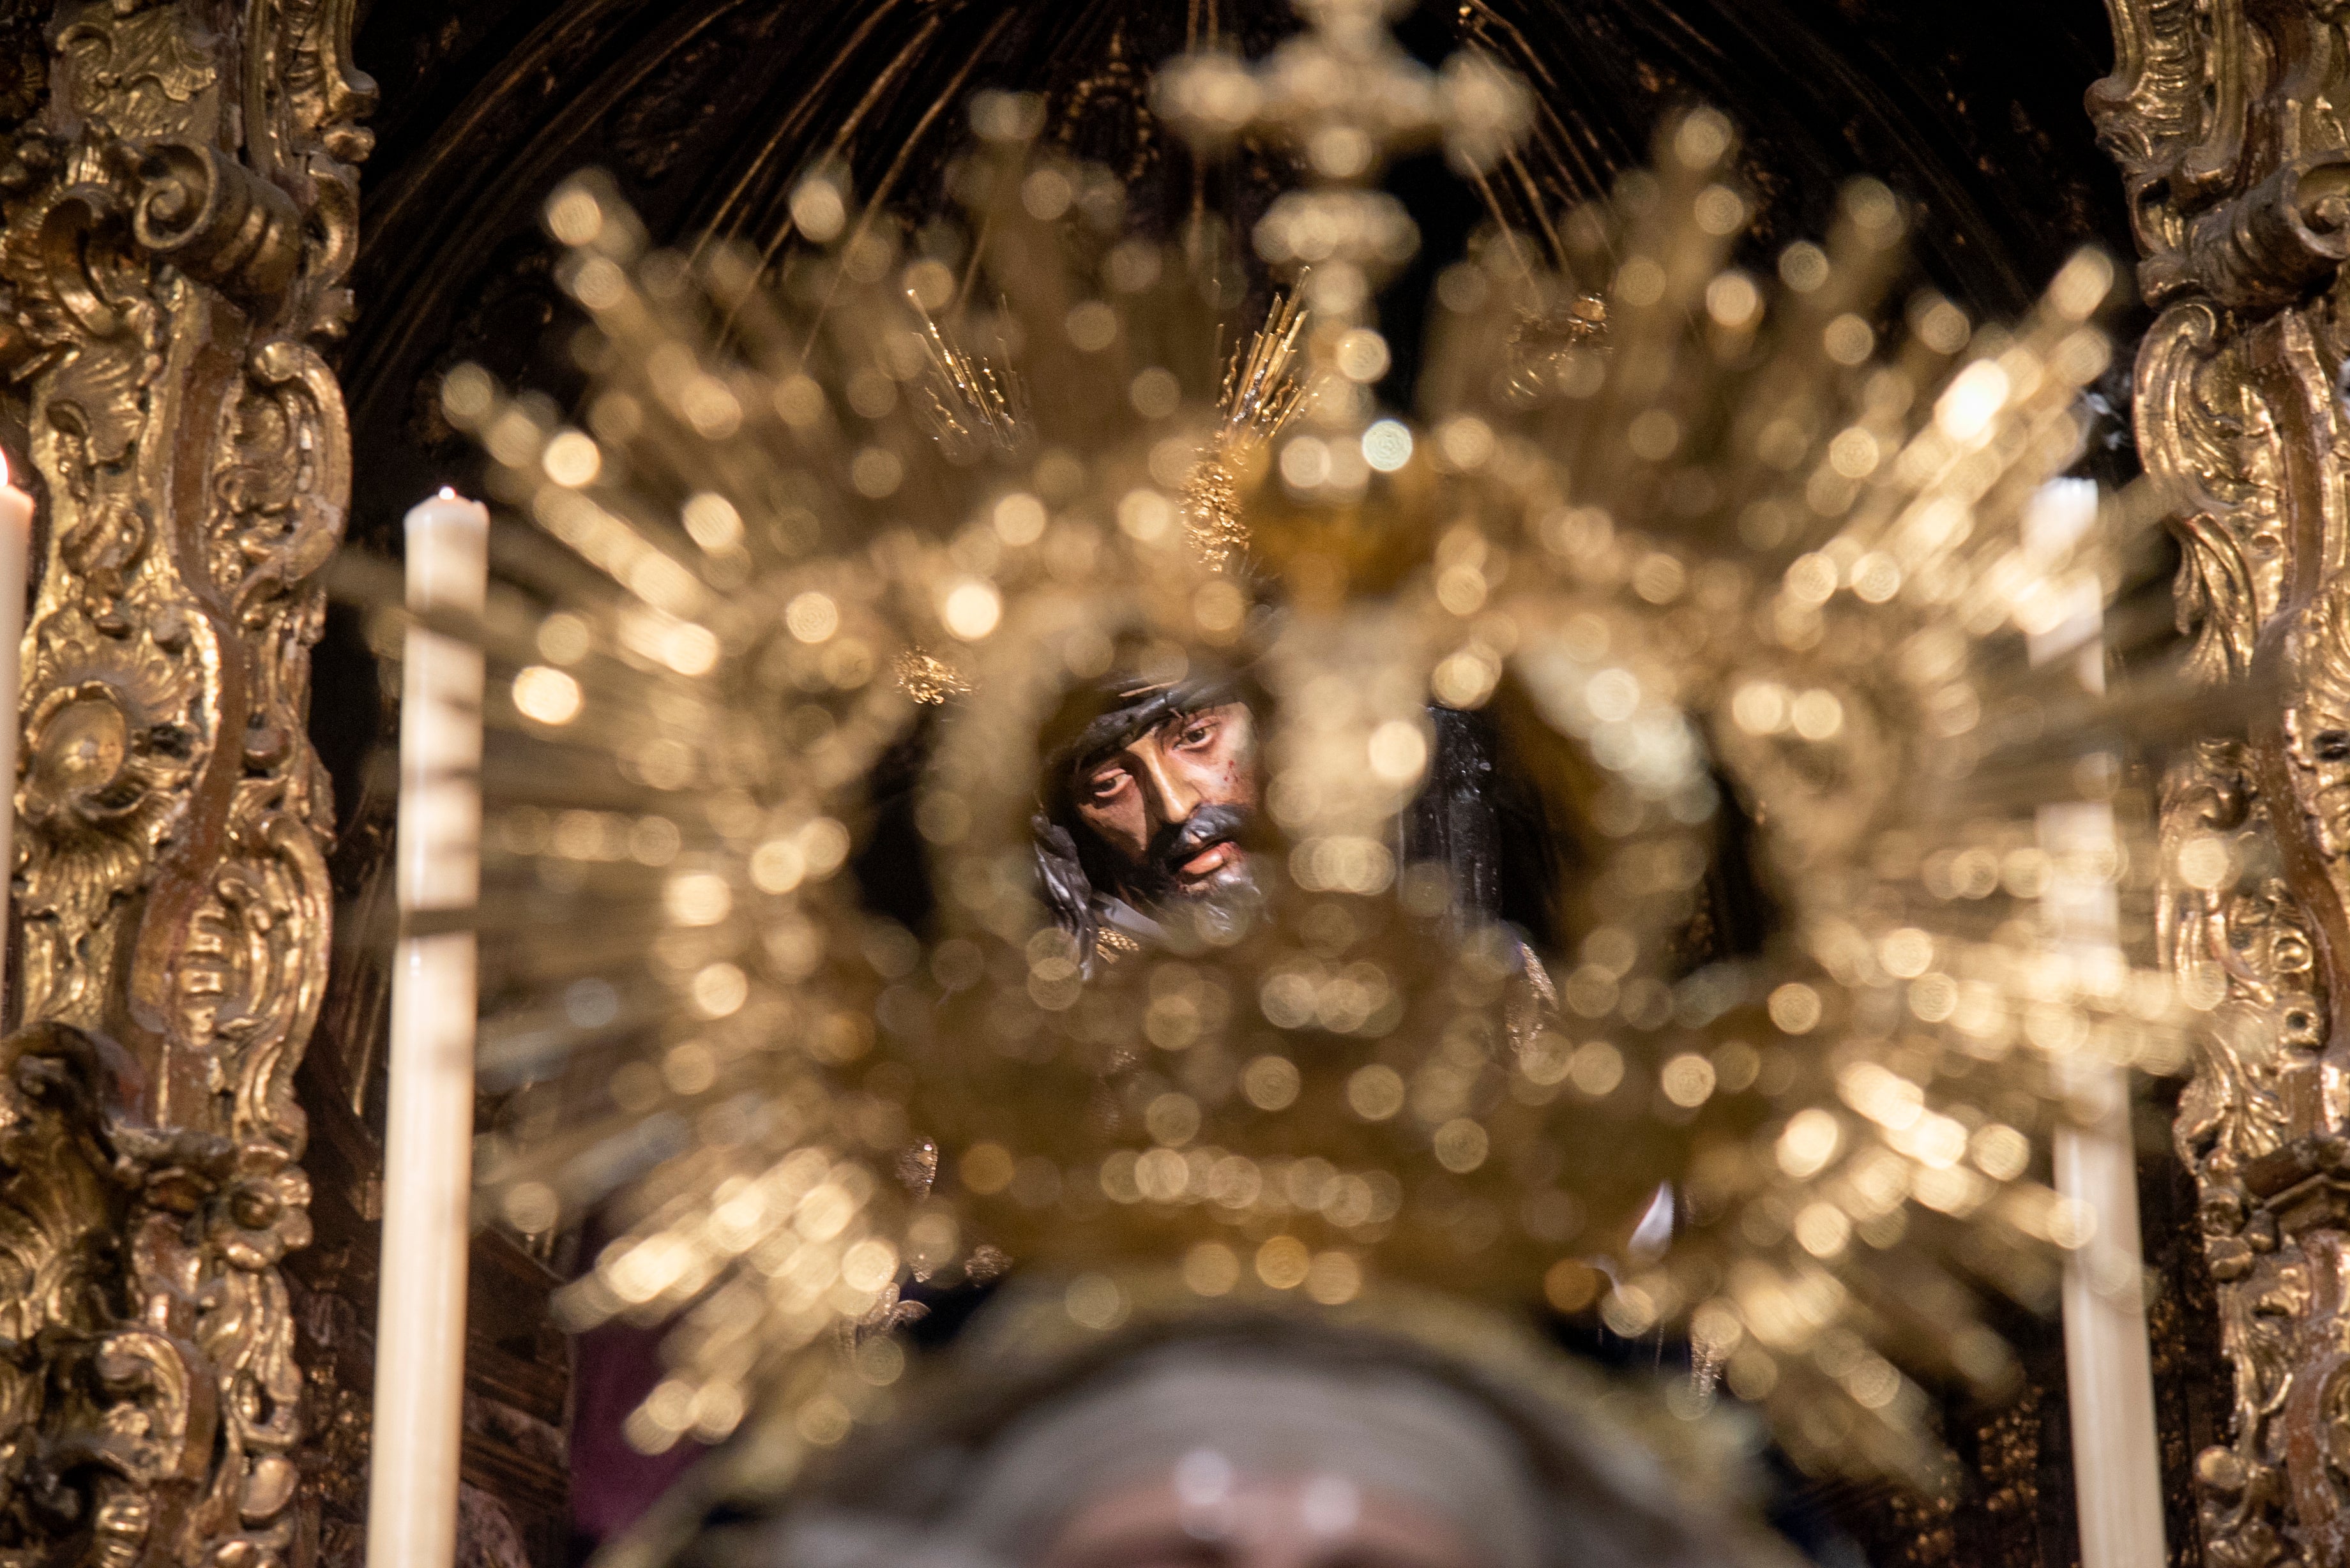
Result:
x=179 y=212
x=2222 y=115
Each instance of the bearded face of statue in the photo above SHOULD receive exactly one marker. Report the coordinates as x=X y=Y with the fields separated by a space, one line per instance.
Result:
x=1169 y=805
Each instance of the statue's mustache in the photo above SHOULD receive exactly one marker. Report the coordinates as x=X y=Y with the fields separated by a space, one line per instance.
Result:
x=1177 y=842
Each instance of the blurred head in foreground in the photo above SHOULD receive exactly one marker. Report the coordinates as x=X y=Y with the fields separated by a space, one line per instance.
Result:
x=1259 y=1441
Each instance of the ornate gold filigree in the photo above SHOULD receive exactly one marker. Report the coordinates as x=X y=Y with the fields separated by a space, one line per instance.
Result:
x=2221 y=118
x=928 y=679
x=1263 y=390
x=1392 y=592
x=2221 y=467
x=180 y=216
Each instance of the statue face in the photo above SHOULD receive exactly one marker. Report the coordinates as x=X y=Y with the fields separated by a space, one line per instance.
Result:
x=1320 y=1521
x=1169 y=804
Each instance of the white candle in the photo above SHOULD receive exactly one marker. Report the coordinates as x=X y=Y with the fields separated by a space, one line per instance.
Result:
x=420 y=1371
x=2108 y=1370
x=16 y=544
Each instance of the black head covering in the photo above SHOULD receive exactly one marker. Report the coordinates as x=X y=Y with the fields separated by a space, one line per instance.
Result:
x=1074 y=871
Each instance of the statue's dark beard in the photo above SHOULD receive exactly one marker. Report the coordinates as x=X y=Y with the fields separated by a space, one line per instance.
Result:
x=1159 y=878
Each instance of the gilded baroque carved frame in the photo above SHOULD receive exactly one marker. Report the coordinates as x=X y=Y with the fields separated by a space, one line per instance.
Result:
x=179 y=212
x=2237 y=164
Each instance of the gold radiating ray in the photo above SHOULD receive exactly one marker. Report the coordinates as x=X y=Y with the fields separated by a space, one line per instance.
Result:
x=1730 y=541
x=1261 y=392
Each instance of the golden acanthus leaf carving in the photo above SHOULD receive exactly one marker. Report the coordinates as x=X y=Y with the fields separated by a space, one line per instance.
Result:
x=2258 y=1086
x=2213 y=443
x=2221 y=115
x=180 y=217
x=142 y=69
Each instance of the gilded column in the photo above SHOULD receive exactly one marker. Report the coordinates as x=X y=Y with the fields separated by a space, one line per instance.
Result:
x=2223 y=116
x=180 y=215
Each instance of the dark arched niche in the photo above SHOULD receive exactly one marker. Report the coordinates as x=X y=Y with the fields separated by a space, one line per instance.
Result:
x=706 y=110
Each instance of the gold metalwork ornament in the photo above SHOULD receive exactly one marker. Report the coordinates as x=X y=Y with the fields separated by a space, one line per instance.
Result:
x=155 y=232
x=926 y=678
x=1261 y=394
x=178 y=220
x=972 y=400
x=2221 y=118
x=1740 y=540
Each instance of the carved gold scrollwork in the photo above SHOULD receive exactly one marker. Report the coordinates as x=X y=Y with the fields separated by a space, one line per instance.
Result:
x=2263 y=249
x=2221 y=114
x=2172 y=139
x=178 y=220
x=74 y=275
x=214 y=219
x=139 y=67
x=2212 y=446
x=286 y=463
x=114 y=741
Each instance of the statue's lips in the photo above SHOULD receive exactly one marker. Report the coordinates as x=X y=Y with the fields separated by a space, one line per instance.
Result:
x=1211 y=860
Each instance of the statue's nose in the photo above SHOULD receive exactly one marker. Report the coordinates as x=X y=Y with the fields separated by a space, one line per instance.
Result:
x=1172 y=798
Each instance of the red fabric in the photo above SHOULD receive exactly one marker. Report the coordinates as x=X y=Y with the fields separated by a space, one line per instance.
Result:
x=613 y=1485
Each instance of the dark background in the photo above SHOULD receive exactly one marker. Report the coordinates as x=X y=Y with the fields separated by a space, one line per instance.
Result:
x=706 y=110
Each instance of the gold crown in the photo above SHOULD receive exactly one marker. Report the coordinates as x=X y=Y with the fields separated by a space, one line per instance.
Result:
x=1734 y=543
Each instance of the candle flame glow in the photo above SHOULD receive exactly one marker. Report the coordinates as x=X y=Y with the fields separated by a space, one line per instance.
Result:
x=447 y=493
